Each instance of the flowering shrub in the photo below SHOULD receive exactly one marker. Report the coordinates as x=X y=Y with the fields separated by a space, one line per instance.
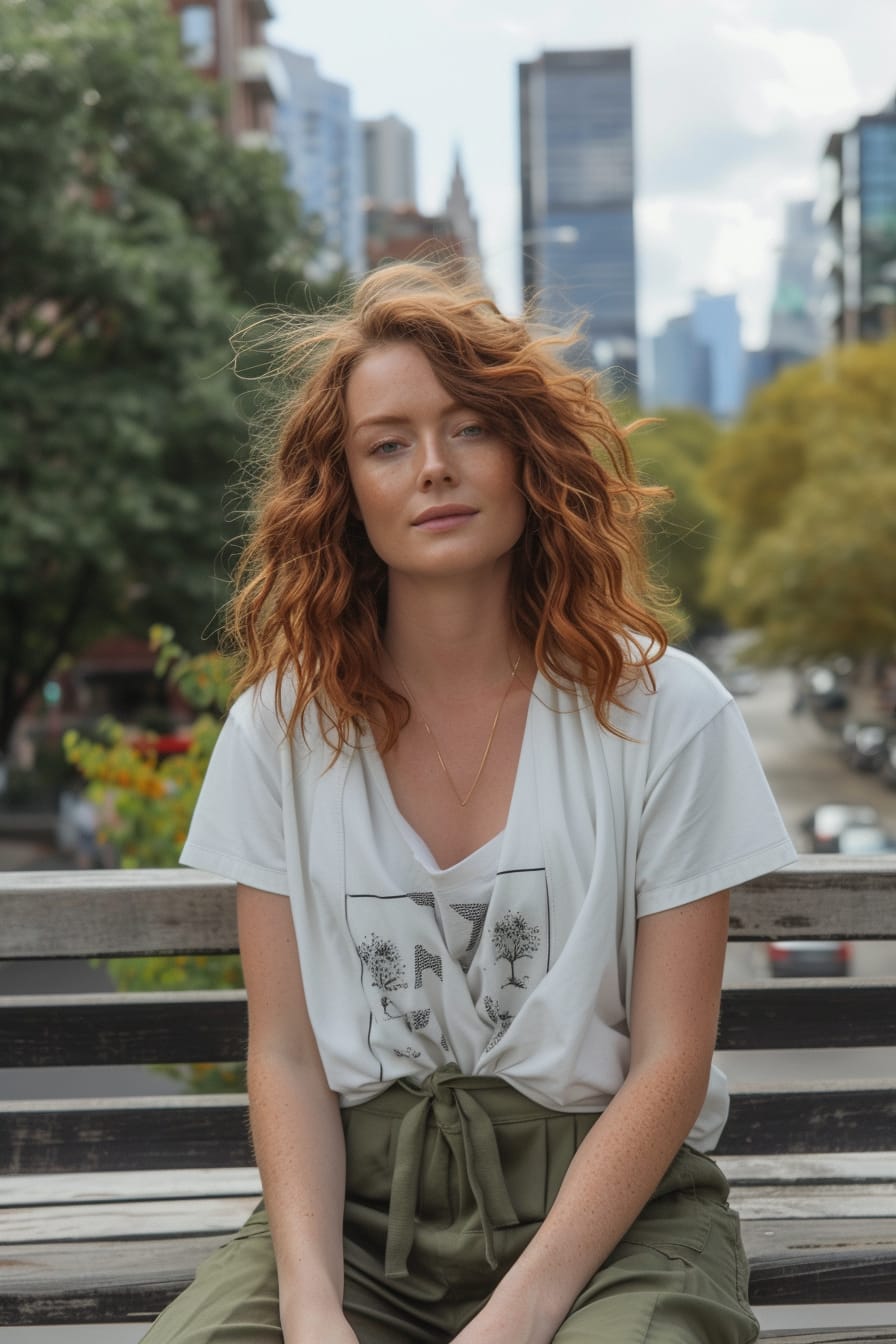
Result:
x=145 y=799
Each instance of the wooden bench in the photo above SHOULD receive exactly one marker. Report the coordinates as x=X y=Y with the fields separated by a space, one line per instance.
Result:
x=107 y=1204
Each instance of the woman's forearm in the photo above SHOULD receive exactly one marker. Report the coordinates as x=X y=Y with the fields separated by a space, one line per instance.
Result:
x=615 y=1171
x=300 y=1150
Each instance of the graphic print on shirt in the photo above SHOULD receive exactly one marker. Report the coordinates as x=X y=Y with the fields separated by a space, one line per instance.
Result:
x=422 y=956
x=515 y=940
x=385 y=969
x=515 y=951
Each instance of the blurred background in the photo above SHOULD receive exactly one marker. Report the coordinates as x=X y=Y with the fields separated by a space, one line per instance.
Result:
x=709 y=190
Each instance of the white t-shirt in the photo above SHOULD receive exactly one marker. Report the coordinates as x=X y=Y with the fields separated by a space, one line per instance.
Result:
x=517 y=961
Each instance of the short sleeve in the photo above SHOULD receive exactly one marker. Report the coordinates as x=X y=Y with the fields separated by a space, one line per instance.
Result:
x=709 y=819
x=237 y=825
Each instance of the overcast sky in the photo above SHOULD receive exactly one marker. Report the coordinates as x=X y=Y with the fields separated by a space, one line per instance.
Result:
x=734 y=100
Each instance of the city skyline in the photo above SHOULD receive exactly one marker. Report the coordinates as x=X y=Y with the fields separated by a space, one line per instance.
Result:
x=734 y=100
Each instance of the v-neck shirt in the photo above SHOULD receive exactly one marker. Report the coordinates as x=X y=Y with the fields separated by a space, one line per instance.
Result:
x=524 y=970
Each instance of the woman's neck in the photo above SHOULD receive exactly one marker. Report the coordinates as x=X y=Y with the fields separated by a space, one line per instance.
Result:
x=451 y=639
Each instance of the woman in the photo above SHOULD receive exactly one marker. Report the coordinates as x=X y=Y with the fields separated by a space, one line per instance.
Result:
x=505 y=817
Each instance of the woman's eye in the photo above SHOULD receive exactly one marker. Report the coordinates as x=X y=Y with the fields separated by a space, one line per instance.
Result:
x=388 y=448
x=470 y=431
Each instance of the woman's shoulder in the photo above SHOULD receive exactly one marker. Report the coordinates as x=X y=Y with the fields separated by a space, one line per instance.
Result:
x=681 y=694
x=262 y=715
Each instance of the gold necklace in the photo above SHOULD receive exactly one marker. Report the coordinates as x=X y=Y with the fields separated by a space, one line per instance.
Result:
x=491 y=737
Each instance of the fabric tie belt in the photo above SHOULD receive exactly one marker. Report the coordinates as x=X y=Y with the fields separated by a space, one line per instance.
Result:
x=446 y=1095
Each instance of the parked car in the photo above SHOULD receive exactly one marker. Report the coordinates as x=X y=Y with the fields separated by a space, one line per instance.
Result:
x=864 y=840
x=805 y=958
x=825 y=825
x=823 y=689
x=864 y=745
x=842 y=828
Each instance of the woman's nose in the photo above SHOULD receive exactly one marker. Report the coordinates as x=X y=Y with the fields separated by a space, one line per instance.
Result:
x=435 y=465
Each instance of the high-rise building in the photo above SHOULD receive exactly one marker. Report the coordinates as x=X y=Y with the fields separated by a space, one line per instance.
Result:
x=857 y=206
x=681 y=366
x=577 y=180
x=390 y=177
x=698 y=359
x=717 y=324
x=321 y=140
x=225 y=41
x=794 y=324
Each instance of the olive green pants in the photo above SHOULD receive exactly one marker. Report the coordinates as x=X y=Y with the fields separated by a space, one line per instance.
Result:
x=447 y=1182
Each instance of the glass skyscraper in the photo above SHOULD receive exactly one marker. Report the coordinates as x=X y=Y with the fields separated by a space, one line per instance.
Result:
x=577 y=180
x=857 y=204
x=322 y=145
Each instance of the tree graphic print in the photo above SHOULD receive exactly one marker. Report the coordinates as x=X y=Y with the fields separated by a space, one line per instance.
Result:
x=385 y=968
x=514 y=938
x=499 y=1017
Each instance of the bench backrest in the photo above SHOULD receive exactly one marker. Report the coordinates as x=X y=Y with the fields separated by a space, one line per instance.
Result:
x=162 y=912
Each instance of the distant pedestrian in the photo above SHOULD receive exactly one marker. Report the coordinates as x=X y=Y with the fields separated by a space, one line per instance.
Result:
x=83 y=817
x=483 y=823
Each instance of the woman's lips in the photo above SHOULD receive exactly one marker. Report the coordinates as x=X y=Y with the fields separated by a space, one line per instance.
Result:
x=443 y=522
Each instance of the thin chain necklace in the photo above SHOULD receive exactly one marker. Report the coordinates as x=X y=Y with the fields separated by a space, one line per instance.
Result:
x=432 y=737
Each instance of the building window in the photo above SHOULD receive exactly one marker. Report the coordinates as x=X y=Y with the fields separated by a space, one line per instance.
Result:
x=197 y=33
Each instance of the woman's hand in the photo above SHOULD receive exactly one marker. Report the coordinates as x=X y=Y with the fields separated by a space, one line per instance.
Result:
x=512 y=1318
x=313 y=1328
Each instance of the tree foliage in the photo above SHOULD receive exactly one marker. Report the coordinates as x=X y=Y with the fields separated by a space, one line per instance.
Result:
x=675 y=452
x=134 y=234
x=805 y=486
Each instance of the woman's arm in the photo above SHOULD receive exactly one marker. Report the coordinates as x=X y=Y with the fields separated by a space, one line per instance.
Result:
x=677 y=977
x=296 y=1127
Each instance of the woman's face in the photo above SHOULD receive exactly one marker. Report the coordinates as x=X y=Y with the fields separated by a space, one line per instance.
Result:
x=437 y=490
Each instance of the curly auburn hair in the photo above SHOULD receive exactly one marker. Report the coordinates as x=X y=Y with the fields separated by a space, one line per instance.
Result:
x=311 y=592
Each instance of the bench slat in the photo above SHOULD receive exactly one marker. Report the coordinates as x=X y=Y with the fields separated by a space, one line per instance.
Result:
x=210 y=1026
x=208 y=1131
x=110 y=1187
x=815 y=1171
x=118 y=912
x=112 y=1134
x=810 y=1013
x=216 y=1216
x=64 y=1281
x=809 y=1260
x=819 y=896
x=207 y=1026
x=223 y=1214
x=827 y=1117
x=868 y=1334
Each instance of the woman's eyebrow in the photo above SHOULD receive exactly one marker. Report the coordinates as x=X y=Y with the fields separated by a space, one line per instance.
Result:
x=372 y=421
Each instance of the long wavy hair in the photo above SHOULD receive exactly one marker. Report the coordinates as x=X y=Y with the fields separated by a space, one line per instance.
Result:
x=311 y=593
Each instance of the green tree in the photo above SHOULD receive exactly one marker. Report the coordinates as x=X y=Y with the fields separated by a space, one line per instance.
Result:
x=134 y=234
x=805 y=486
x=675 y=452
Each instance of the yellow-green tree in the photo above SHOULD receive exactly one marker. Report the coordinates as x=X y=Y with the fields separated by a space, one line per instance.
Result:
x=805 y=487
x=675 y=452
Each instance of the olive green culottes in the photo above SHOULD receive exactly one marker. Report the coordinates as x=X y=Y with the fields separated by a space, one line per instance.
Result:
x=447 y=1181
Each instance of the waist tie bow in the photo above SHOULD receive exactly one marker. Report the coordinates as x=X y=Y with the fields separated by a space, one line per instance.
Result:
x=447 y=1095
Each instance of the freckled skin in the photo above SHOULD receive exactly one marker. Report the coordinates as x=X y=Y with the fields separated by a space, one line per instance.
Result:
x=410 y=448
